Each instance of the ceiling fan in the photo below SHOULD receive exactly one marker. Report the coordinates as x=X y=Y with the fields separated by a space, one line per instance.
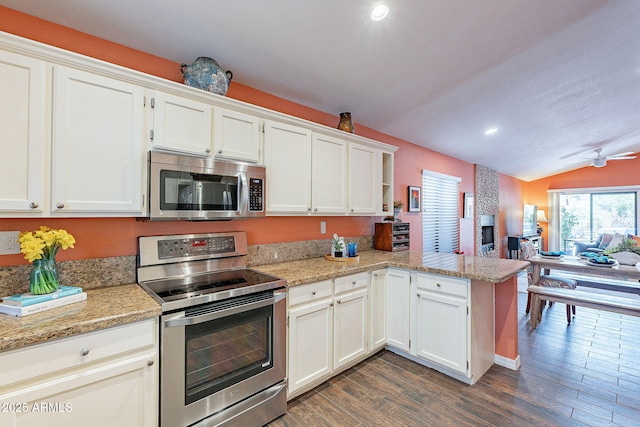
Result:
x=601 y=161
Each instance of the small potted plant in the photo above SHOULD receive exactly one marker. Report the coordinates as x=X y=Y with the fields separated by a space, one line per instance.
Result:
x=337 y=246
x=397 y=207
x=627 y=252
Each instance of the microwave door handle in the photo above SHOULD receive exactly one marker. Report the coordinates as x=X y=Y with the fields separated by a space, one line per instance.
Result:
x=243 y=203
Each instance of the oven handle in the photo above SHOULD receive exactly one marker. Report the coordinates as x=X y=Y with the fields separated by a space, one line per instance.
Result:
x=279 y=296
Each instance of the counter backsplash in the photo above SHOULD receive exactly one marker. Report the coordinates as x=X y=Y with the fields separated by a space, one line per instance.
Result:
x=104 y=272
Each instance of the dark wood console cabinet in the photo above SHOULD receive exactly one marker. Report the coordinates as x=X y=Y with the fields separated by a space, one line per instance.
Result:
x=391 y=236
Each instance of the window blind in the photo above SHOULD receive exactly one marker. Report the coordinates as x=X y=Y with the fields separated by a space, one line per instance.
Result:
x=440 y=210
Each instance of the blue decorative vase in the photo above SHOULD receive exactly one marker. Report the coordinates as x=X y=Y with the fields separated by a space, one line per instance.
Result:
x=205 y=73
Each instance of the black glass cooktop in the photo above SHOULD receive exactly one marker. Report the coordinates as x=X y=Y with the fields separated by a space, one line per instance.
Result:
x=191 y=287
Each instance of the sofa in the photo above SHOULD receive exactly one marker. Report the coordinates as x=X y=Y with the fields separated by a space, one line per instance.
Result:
x=602 y=242
x=588 y=246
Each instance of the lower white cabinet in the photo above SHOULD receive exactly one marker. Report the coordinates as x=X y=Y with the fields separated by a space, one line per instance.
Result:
x=102 y=378
x=398 y=300
x=310 y=334
x=328 y=330
x=442 y=322
x=378 y=309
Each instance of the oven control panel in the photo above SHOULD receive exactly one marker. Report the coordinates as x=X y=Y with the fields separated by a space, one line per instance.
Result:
x=188 y=247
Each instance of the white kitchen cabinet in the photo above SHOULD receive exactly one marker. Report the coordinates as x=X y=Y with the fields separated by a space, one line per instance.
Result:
x=442 y=321
x=365 y=180
x=377 y=303
x=181 y=124
x=310 y=334
x=236 y=135
x=288 y=162
x=24 y=140
x=351 y=340
x=328 y=175
x=102 y=378
x=398 y=319
x=97 y=148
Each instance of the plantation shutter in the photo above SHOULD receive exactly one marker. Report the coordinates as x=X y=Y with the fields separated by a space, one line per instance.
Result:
x=440 y=210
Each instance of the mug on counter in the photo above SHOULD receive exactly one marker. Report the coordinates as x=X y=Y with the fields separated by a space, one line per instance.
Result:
x=352 y=249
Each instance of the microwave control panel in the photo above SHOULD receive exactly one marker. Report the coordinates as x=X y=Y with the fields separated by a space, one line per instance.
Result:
x=256 y=190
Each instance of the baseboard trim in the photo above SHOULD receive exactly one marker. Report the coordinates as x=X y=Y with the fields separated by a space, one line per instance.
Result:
x=513 y=364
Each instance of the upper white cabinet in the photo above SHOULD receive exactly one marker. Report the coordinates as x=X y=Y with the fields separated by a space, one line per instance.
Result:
x=328 y=175
x=236 y=135
x=181 y=124
x=97 y=144
x=365 y=180
x=288 y=162
x=23 y=137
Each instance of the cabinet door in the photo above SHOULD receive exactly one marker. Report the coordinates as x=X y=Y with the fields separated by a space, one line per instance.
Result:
x=350 y=327
x=181 y=124
x=329 y=175
x=97 y=148
x=398 y=305
x=441 y=330
x=236 y=135
x=365 y=182
x=310 y=343
x=119 y=394
x=23 y=136
x=288 y=162
x=378 y=305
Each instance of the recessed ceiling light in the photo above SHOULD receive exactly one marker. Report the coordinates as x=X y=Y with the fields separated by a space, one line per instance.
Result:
x=379 y=12
x=490 y=131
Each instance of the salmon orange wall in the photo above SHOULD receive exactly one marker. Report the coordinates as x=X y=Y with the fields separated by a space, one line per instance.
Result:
x=106 y=237
x=511 y=201
x=616 y=173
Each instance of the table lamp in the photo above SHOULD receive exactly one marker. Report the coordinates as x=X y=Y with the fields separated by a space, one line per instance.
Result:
x=541 y=218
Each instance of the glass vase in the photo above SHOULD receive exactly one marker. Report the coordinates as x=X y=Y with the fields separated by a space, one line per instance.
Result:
x=345 y=123
x=44 y=277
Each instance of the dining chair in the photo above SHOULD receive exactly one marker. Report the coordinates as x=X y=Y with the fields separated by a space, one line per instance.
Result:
x=528 y=250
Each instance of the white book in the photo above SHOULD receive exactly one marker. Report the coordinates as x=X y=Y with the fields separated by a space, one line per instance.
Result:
x=43 y=306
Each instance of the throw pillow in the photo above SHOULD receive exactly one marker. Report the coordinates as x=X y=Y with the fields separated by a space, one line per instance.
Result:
x=606 y=239
x=615 y=240
x=636 y=238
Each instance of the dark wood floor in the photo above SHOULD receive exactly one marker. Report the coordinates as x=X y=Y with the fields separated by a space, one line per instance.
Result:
x=583 y=374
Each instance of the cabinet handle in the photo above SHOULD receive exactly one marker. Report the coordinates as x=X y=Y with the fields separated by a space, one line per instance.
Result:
x=315 y=209
x=313 y=292
x=84 y=351
x=438 y=284
x=339 y=302
x=219 y=151
x=33 y=205
x=208 y=150
x=150 y=362
x=60 y=205
x=351 y=210
x=331 y=305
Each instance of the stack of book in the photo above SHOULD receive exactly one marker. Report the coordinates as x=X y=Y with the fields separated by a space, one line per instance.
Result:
x=25 y=304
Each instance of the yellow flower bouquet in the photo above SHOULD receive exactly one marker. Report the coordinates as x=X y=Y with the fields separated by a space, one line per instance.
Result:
x=40 y=248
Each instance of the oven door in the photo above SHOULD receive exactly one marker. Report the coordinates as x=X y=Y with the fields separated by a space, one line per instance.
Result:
x=216 y=355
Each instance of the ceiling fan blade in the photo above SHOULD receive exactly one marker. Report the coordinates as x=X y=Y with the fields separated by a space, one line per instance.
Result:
x=620 y=157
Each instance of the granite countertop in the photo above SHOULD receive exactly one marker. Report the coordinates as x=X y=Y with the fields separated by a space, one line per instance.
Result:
x=495 y=270
x=104 y=307
x=118 y=305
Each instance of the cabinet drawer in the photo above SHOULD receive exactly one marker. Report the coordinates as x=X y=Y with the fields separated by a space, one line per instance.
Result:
x=46 y=358
x=310 y=292
x=351 y=282
x=443 y=284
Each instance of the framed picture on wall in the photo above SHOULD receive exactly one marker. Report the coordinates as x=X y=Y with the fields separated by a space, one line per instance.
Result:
x=468 y=205
x=414 y=199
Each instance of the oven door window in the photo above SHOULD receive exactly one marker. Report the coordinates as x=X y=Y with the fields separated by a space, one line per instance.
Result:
x=225 y=351
x=188 y=191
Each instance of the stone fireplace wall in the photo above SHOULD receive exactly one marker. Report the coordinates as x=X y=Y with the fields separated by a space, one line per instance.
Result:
x=487 y=199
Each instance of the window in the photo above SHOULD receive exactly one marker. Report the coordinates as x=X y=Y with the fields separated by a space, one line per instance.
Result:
x=586 y=214
x=440 y=211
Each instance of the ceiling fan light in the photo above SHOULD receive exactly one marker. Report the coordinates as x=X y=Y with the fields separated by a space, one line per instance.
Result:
x=599 y=163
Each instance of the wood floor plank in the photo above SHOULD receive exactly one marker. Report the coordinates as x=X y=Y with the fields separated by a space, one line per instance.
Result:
x=582 y=374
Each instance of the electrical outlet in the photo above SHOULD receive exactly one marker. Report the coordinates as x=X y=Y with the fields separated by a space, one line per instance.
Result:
x=323 y=227
x=9 y=244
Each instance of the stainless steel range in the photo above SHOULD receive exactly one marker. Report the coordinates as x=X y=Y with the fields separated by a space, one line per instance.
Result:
x=222 y=331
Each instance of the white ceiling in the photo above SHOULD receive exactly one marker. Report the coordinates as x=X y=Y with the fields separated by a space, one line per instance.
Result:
x=559 y=78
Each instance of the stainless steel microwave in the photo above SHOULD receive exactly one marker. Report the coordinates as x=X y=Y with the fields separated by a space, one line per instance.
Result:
x=195 y=188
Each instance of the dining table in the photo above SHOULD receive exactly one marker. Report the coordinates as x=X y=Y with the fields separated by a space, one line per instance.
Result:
x=627 y=275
